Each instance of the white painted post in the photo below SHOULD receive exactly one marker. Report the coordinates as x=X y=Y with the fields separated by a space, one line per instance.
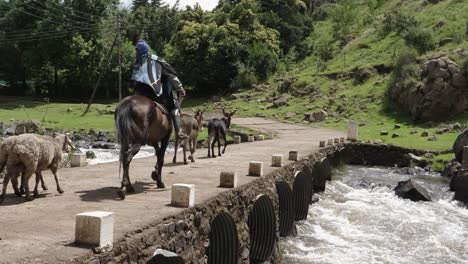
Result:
x=277 y=161
x=256 y=168
x=95 y=228
x=183 y=195
x=336 y=140
x=322 y=143
x=330 y=142
x=342 y=139
x=78 y=160
x=352 y=131
x=237 y=139
x=260 y=137
x=293 y=155
x=251 y=139
x=228 y=179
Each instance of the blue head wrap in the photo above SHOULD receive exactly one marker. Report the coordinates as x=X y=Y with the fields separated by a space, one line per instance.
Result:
x=142 y=49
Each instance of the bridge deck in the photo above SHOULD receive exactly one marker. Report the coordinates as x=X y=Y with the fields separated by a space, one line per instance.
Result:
x=41 y=231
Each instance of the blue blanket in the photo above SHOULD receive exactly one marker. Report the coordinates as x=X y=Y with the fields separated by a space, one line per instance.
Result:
x=141 y=74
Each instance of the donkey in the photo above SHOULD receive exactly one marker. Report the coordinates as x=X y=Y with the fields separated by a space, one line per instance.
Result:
x=140 y=121
x=192 y=126
x=218 y=128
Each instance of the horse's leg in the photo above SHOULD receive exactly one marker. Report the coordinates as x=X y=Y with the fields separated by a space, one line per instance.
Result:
x=213 y=144
x=186 y=142
x=135 y=148
x=209 y=145
x=176 y=146
x=225 y=142
x=192 y=144
x=160 y=162
x=219 y=145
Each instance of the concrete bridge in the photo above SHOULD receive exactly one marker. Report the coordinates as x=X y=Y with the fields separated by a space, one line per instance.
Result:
x=42 y=231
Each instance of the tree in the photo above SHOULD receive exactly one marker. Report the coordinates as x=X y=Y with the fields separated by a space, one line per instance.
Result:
x=139 y=3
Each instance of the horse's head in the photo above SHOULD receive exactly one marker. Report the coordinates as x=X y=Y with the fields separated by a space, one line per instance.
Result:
x=228 y=116
x=199 y=117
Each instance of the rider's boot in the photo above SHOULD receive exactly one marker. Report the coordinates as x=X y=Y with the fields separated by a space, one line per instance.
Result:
x=177 y=124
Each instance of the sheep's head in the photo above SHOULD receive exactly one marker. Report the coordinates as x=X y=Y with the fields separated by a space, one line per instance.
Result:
x=65 y=141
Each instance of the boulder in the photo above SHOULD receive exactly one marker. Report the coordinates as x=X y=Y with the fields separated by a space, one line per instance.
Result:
x=384 y=133
x=395 y=135
x=451 y=169
x=432 y=138
x=362 y=75
x=281 y=101
x=459 y=185
x=460 y=142
x=318 y=116
x=28 y=126
x=435 y=93
x=397 y=126
x=290 y=115
x=417 y=161
x=411 y=190
x=103 y=145
x=414 y=131
x=424 y=134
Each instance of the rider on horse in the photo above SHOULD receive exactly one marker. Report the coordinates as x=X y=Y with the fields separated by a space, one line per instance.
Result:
x=156 y=79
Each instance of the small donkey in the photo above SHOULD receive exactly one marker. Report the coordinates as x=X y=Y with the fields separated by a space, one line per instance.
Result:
x=192 y=126
x=218 y=128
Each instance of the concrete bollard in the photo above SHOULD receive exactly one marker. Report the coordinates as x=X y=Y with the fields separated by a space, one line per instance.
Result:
x=183 y=195
x=277 y=161
x=78 y=160
x=95 y=228
x=228 y=179
x=322 y=143
x=330 y=142
x=336 y=140
x=237 y=139
x=256 y=168
x=342 y=139
x=259 y=138
x=352 y=131
x=293 y=155
x=251 y=139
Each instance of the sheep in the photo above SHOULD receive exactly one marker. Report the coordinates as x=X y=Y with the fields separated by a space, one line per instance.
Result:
x=192 y=126
x=28 y=154
x=5 y=147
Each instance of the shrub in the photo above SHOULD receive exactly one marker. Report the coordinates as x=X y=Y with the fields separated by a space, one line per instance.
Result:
x=262 y=60
x=405 y=68
x=397 y=21
x=422 y=39
x=245 y=78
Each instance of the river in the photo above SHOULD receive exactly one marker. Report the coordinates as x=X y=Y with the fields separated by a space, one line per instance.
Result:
x=359 y=220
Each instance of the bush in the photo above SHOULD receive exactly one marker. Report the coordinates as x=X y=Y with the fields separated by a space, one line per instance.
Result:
x=422 y=39
x=397 y=21
x=405 y=67
x=245 y=78
x=263 y=60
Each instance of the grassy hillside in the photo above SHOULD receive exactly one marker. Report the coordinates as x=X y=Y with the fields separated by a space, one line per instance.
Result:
x=330 y=84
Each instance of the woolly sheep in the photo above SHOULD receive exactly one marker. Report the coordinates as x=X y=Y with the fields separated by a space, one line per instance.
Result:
x=28 y=154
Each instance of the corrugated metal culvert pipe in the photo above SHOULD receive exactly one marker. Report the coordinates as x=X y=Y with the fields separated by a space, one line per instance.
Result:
x=262 y=226
x=286 y=208
x=224 y=241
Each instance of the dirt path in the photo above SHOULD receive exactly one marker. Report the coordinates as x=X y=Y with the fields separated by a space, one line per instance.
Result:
x=41 y=231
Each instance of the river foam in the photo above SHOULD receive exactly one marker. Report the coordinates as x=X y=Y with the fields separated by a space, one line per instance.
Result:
x=359 y=220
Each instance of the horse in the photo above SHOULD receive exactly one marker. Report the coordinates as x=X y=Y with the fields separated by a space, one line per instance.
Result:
x=192 y=126
x=140 y=121
x=218 y=128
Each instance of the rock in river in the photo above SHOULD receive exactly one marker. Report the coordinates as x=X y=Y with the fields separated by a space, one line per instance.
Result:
x=411 y=190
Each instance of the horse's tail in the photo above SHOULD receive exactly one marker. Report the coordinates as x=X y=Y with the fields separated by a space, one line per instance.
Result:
x=125 y=124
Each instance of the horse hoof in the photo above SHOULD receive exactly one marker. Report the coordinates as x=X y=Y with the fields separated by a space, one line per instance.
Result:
x=154 y=175
x=193 y=160
x=36 y=195
x=18 y=194
x=44 y=188
x=29 y=198
x=130 y=189
x=121 y=194
x=60 y=191
x=161 y=185
x=185 y=163
x=174 y=161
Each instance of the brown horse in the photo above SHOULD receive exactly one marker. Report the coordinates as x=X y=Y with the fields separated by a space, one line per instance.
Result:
x=139 y=121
